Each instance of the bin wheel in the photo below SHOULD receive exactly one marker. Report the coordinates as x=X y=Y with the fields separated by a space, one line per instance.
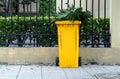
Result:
x=57 y=61
x=79 y=61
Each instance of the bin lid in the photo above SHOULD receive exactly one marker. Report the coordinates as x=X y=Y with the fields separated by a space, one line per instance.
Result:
x=68 y=22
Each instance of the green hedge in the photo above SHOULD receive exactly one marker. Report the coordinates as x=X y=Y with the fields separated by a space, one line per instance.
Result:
x=97 y=30
x=47 y=7
x=33 y=26
x=28 y=26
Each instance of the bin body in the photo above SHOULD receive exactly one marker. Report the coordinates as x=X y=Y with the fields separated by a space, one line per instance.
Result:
x=68 y=43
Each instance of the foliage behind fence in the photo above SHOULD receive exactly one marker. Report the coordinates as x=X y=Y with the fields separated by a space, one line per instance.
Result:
x=17 y=31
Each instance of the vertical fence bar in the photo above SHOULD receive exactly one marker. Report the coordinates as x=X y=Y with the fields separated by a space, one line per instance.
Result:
x=55 y=6
x=11 y=17
x=74 y=3
x=98 y=9
x=23 y=35
x=42 y=12
x=105 y=24
x=27 y=8
x=17 y=6
x=49 y=9
x=67 y=3
x=18 y=19
x=4 y=35
x=61 y=4
x=80 y=3
x=86 y=5
x=92 y=42
x=30 y=23
x=37 y=22
x=80 y=32
x=98 y=21
x=42 y=18
x=85 y=26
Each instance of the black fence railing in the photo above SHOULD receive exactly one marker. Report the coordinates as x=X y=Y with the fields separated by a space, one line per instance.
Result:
x=25 y=23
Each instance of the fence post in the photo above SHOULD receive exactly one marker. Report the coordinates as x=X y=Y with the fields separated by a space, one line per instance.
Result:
x=115 y=23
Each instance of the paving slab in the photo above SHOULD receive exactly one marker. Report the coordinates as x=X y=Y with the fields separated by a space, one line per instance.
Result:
x=30 y=72
x=77 y=73
x=9 y=71
x=53 y=72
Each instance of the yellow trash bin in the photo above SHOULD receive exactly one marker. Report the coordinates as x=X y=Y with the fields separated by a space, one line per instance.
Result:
x=68 y=43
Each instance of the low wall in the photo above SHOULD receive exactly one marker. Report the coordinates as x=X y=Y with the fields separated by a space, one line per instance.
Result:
x=48 y=55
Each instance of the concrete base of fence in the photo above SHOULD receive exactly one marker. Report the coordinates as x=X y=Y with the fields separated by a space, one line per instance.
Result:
x=48 y=54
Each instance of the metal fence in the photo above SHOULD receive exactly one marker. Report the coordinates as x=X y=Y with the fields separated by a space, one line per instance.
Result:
x=25 y=23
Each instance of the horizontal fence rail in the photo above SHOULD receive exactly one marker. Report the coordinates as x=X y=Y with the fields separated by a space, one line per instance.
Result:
x=27 y=23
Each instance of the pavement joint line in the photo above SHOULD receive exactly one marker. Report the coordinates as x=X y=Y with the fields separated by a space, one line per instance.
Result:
x=65 y=73
x=41 y=73
x=19 y=72
x=94 y=76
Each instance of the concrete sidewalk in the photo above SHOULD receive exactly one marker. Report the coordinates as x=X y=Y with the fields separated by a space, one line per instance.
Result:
x=53 y=72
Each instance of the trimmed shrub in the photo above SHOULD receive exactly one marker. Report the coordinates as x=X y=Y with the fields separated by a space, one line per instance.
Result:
x=47 y=7
x=42 y=33
x=97 y=33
